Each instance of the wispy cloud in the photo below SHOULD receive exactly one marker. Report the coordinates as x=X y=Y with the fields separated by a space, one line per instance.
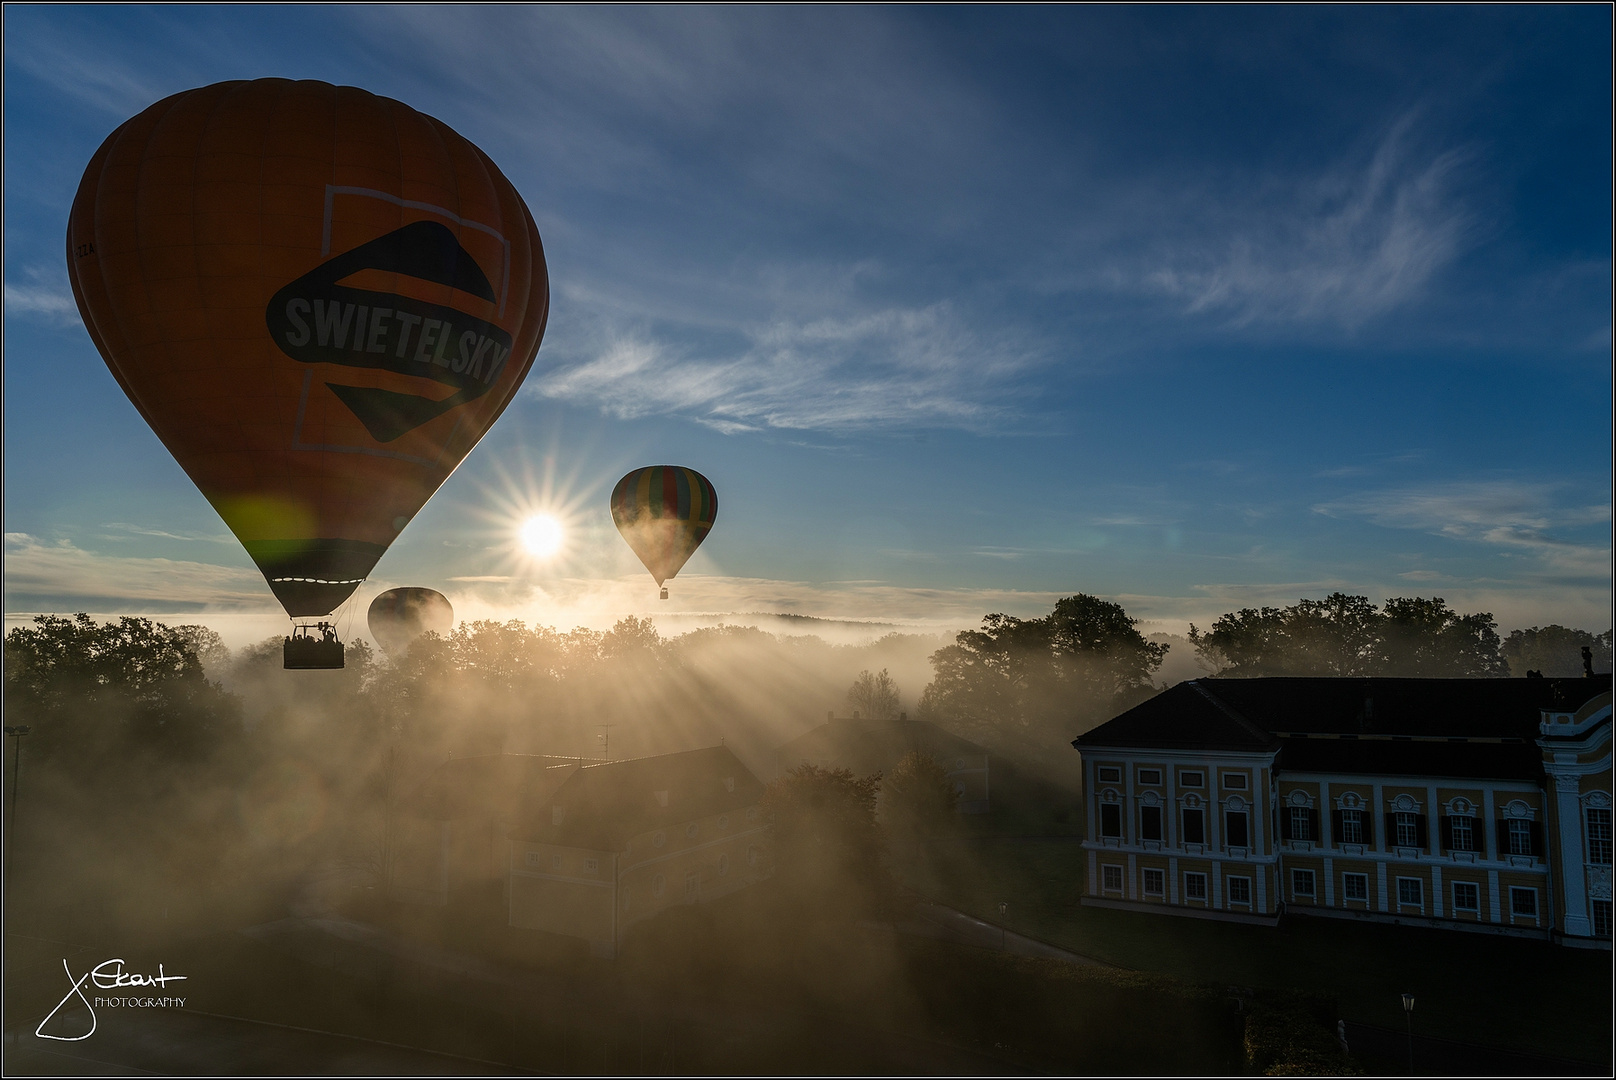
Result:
x=889 y=367
x=1521 y=517
x=64 y=573
x=91 y=76
x=1342 y=247
x=45 y=294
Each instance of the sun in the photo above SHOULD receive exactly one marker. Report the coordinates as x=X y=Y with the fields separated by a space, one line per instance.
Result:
x=541 y=535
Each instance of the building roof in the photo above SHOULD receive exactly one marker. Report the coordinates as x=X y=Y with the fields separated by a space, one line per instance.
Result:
x=489 y=785
x=1427 y=727
x=867 y=746
x=601 y=806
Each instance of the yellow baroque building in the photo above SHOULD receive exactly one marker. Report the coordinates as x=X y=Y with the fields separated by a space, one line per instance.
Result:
x=1474 y=804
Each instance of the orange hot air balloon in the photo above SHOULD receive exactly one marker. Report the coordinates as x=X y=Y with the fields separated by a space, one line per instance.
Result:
x=319 y=299
x=664 y=512
x=398 y=616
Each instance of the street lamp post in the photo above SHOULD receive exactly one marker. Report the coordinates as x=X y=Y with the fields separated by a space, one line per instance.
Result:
x=16 y=734
x=1004 y=908
x=1408 y=1019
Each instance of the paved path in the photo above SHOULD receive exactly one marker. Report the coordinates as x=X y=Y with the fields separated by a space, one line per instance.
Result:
x=934 y=920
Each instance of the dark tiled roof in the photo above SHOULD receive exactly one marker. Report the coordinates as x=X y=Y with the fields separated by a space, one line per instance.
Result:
x=604 y=805
x=489 y=785
x=1185 y=717
x=1426 y=727
x=867 y=746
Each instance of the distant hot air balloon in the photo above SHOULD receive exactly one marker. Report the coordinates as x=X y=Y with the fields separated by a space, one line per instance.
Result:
x=399 y=616
x=664 y=512
x=319 y=299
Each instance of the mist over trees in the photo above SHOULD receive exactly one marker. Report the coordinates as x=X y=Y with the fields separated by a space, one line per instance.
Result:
x=1039 y=682
x=874 y=697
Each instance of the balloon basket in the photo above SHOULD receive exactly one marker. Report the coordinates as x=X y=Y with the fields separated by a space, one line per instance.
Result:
x=664 y=594
x=312 y=648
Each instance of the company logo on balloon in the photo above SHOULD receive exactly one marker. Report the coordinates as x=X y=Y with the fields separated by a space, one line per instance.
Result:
x=318 y=319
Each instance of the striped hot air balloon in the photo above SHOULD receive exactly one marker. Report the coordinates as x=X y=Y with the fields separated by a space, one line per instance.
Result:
x=664 y=513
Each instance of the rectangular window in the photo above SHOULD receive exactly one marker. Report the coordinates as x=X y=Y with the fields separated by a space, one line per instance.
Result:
x=1110 y=774
x=1150 y=777
x=1155 y=882
x=1191 y=779
x=1355 y=886
x=1234 y=828
x=1234 y=781
x=1194 y=827
x=1352 y=827
x=1523 y=902
x=555 y=862
x=1520 y=839
x=1302 y=883
x=1110 y=820
x=1195 y=886
x=591 y=866
x=1411 y=891
x=1111 y=878
x=1466 y=896
x=1599 y=836
x=1239 y=890
x=1408 y=830
x=1301 y=823
x=1150 y=823
x=533 y=858
x=1464 y=833
x=1601 y=918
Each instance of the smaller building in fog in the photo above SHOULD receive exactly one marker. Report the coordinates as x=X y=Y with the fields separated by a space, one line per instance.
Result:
x=871 y=746
x=579 y=847
x=621 y=841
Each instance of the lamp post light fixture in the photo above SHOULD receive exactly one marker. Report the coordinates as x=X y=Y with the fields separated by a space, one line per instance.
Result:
x=15 y=734
x=1408 y=1018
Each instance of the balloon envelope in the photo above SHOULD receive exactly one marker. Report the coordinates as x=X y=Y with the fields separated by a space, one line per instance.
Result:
x=318 y=298
x=399 y=616
x=664 y=512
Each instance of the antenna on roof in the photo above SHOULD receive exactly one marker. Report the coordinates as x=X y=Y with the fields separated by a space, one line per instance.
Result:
x=605 y=738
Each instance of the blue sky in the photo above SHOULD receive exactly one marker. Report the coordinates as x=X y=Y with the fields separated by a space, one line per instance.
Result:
x=961 y=309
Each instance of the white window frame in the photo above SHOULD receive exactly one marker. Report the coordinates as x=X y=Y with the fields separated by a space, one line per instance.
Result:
x=1475 y=896
x=1150 y=874
x=1144 y=782
x=1297 y=877
x=1302 y=824
x=555 y=864
x=1109 y=774
x=1520 y=891
x=1111 y=879
x=1518 y=837
x=1469 y=843
x=1234 y=885
x=1193 y=880
x=1599 y=834
x=1348 y=880
x=1184 y=780
x=1407 y=824
x=591 y=866
x=1236 y=781
x=1352 y=830
x=1419 y=887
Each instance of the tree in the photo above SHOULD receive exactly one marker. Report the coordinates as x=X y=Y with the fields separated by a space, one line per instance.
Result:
x=874 y=697
x=1555 y=651
x=917 y=796
x=1043 y=679
x=1345 y=635
x=825 y=844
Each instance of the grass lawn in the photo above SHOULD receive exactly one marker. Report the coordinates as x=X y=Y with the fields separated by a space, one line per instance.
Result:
x=1494 y=991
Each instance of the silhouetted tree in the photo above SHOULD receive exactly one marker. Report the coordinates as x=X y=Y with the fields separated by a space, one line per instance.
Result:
x=1043 y=679
x=826 y=847
x=1555 y=651
x=916 y=796
x=1345 y=635
x=874 y=697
